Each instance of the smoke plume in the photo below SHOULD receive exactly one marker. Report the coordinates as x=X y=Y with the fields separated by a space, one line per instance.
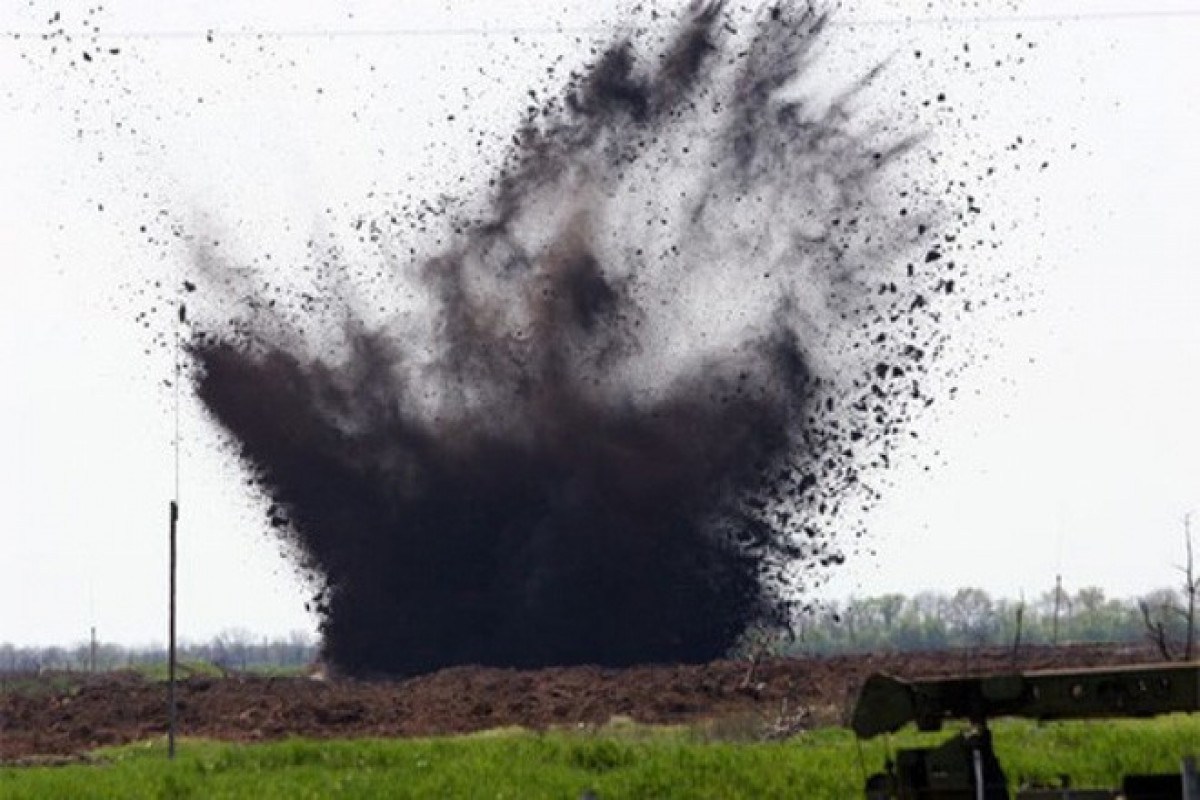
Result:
x=626 y=412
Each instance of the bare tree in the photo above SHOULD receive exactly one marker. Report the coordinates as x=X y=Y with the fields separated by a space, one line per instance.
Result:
x=1156 y=627
x=1157 y=614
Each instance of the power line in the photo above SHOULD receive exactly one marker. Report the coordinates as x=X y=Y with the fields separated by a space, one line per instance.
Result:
x=485 y=31
x=328 y=33
x=1015 y=19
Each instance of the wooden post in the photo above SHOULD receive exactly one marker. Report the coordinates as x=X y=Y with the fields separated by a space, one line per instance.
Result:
x=92 y=652
x=1016 y=646
x=1057 y=604
x=171 y=640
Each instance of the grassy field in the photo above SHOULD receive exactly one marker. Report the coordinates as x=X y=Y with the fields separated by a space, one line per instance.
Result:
x=616 y=761
x=190 y=669
x=61 y=682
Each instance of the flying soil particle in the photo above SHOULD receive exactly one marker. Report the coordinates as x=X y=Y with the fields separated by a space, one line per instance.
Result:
x=632 y=400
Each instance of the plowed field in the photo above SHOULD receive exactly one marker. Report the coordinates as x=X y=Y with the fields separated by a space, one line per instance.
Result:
x=115 y=708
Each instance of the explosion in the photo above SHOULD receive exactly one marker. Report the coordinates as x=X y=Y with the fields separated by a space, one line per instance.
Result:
x=632 y=401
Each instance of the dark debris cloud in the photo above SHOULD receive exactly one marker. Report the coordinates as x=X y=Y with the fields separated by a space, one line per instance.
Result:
x=628 y=410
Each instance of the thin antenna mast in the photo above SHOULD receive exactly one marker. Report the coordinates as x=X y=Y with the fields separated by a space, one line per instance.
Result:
x=1061 y=533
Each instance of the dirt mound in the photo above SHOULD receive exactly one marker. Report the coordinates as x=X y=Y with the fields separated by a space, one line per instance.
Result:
x=51 y=716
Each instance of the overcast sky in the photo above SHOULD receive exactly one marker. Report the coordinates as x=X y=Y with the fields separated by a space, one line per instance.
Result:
x=1071 y=447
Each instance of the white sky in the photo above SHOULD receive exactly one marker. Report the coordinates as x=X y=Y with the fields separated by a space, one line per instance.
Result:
x=1072 y=448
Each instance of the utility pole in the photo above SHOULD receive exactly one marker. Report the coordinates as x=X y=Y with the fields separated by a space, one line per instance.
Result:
x=1193 y=587
x=92 y=652
x=174 y=524
x=171 y=640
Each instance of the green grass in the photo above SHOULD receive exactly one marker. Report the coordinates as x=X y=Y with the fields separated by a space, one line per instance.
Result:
x=35 y=685
x=622 y=760
x=198 y=668
x=184 y=669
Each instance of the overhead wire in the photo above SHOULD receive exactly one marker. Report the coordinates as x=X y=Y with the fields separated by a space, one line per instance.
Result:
x=547 y=30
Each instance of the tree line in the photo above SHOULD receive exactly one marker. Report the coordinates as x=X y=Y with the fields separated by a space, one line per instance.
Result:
x=234 y=650
x=971 y=617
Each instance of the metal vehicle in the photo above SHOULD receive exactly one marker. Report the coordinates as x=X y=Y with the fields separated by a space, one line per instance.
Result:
x=966 y=768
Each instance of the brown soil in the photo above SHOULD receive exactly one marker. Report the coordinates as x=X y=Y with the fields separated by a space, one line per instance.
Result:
x=122 y=707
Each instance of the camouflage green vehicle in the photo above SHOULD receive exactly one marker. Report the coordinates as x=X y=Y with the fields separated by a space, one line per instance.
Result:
x=965 y=767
